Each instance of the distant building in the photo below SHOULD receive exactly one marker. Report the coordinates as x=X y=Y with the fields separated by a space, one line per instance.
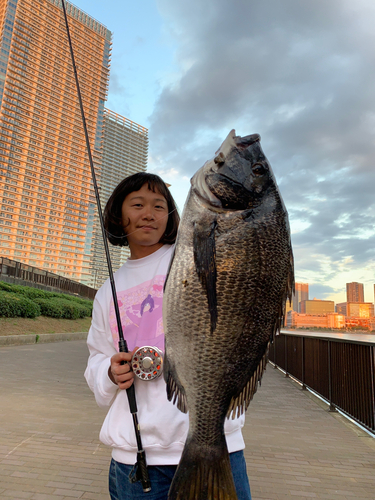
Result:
x=124 y=152
x=354 y=292
x=361 y=323
x=335 y=320
x=330 y=320
x=288 y=307
x=341 y=308
x=360 y=310
x=301 y=293
x=356 y=309
x=317 y=306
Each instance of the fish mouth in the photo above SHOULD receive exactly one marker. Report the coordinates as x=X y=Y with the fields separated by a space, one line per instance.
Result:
x=246 y=141
x=205 y=190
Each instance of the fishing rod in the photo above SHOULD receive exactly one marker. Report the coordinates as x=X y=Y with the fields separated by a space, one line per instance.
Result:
x=139 y=472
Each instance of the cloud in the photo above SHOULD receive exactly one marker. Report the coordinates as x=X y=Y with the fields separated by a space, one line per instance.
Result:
x=321 y=291
x=301 y=74
x=116 y=87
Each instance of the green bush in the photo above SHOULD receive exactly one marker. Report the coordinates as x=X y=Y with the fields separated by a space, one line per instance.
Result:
x=52 y=304
x=26 y=291
x=13 y=306
x=50 y=308
x=6 y=287
x=56 y=307
x=32 y=293
x=72 y=298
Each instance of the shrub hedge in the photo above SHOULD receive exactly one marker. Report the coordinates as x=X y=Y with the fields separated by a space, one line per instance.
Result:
x=12 y=306
x=29 y=302
x=61 y=308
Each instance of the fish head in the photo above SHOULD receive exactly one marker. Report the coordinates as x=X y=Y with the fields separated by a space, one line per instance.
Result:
x=238 y=176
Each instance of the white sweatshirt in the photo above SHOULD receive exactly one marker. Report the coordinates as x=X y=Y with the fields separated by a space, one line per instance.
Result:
x=139 y=285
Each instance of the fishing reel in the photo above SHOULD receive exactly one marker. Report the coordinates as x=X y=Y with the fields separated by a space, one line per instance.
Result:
x=147 y=363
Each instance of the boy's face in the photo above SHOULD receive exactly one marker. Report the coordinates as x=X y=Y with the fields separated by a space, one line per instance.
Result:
x=144 y=219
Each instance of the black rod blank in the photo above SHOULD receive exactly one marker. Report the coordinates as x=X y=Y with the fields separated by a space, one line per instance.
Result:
x=140 y=471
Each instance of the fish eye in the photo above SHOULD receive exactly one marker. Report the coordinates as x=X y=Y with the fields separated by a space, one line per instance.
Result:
x=259 y=169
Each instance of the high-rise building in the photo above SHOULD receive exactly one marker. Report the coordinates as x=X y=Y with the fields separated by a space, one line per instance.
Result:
x=317 y=306
x=45 y=180
x=354 y=292
x=301 y=293
x=125 y=152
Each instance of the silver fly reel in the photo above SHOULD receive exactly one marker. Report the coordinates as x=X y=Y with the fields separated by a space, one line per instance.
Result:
x=147 y=363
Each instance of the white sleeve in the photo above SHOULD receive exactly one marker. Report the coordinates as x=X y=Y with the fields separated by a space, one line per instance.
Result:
x=101 y=349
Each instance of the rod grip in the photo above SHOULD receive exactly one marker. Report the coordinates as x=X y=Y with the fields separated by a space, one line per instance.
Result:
x=143 y=472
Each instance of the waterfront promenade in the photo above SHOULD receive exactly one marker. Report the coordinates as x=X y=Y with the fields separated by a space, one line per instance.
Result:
x=49 y=426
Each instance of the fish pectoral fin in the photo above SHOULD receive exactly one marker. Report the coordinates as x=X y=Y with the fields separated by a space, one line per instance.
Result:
x=240 y=404
x=175 y=390
x=205 y=264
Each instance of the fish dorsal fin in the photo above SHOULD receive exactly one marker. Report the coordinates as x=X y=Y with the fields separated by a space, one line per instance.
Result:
x=175 y=391
x=239 y=404
x=205 y=264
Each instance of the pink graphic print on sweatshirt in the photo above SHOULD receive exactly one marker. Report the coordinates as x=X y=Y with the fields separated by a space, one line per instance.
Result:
x=141 y=311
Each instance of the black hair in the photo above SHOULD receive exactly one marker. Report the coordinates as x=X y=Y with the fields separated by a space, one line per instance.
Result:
x=113 y=209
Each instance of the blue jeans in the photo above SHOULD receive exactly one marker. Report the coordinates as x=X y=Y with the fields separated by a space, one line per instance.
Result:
x=120 y=488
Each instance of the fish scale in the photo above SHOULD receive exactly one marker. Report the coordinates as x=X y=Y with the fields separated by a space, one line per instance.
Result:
x=224 y=299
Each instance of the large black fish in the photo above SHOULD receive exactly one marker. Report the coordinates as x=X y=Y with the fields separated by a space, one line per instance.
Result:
x=224 y=299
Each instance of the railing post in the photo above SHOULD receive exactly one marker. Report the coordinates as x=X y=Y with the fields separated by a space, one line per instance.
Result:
x=331 y=405
x=303 y=365
x=286 y=357
x=372 y=372
x=274 y=351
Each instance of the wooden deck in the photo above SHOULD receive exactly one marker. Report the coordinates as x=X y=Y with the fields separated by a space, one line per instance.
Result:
x=49 y=425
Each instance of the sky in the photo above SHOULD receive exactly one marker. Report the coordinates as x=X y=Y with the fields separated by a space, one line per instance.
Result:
x=299 y=73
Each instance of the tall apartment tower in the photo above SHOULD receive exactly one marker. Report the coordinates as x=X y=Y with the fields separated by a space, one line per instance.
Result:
x=45 y=181
x=354 y=292
x=125 y=152
x=301 y=293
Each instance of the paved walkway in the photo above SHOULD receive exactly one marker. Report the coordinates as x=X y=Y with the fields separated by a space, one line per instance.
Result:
x=49 y=425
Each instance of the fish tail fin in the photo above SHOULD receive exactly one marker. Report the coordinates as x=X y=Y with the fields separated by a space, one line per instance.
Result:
x=204 y=473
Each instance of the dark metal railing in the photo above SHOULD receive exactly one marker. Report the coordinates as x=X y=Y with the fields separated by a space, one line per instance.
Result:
x=18 y=273
x=338 y=367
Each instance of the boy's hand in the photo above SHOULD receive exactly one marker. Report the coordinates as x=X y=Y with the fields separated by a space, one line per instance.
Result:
x=120 y=371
